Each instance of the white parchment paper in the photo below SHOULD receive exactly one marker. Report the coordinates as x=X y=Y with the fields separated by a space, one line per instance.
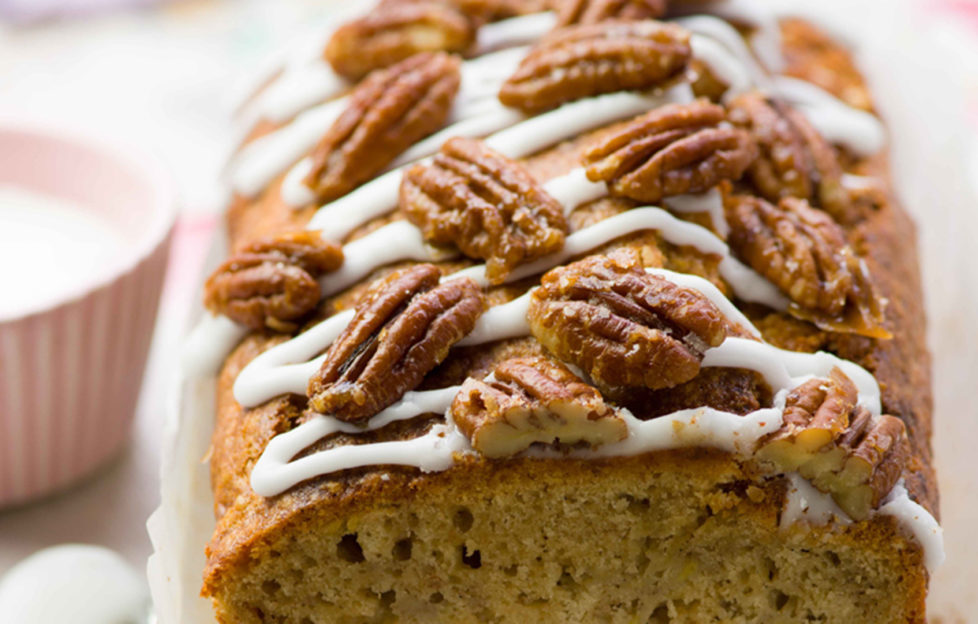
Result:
x=920 y=72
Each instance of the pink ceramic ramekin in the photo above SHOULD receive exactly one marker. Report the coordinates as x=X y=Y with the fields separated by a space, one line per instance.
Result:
x=71 y=369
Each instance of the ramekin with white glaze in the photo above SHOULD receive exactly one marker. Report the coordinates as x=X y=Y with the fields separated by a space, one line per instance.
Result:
x=84 y=235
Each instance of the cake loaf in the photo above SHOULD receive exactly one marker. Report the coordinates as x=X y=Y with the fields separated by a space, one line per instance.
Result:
x=577 y=311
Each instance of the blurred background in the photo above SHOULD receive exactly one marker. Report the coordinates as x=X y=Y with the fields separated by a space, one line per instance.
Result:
x=166 y=75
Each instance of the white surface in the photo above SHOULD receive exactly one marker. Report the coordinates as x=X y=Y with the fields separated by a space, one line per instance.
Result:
x=74 y=583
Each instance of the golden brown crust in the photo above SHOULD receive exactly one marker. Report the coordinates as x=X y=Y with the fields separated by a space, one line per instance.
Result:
x=247 y=523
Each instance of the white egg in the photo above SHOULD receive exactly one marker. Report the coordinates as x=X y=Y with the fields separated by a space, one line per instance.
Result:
x=73 y=583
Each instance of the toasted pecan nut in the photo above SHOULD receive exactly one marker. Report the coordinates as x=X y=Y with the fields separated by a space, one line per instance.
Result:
x=485 y=204
x=403 y=327
x=593 y=11
x=816 y=413
x=590 y=59
x=533 y=400
x=793 y=158
x=806 y=255
x=394 y=31
x=271 y=283
x=674 y=149
x=876 y=453
x=388 y=112
x=482 y=11
x=838 y=445
x=623 y=326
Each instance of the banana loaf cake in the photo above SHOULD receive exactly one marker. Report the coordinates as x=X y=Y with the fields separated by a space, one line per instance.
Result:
x=568 y=311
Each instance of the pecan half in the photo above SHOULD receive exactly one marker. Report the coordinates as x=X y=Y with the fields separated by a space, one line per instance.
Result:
x=533 y=400
x=271 y=283
x=838 y=445
x=482 y=11
x=816 y=413
x=485 y=204
x=403 y=327
x=623 y=326
x=394 y=31
x=806 y=255
x=674 y=149
x=388 y=112
x=793 y=158
x=590 y=59
x=593 y=11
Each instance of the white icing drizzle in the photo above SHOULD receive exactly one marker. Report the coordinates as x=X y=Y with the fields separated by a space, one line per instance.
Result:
x=721 y=64
x=857 y=130
x=483 y=75
x=297 y=89
x=294 y=190
x=766 y=38
x=514 y=31
x=258 y=162
x=784 y=370
x=919 y=522
x=573 y=189
x=494 y=117
x=803 y=502
x=379 y=196
x=579 y=116
x=706 y=288
x=582 y=241
x=393 y=242
x=506 y=320
x=727 y=36
x=710 y=202
x=276 y=471
x=284 y=368
x=208 y=345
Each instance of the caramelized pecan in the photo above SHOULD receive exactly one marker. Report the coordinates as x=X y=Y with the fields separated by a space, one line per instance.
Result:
x=675 y=149
x=533 y=400
x=590 y=59
x=623 y=326
x=482 y=11
x=806 y=255
x=271 y=283
x=394 y=31
x=794 y=160
x=403 y=327
x=593 y=11
x=388 y=112
x=485 y=204
x=816 y=413
x=838 y=445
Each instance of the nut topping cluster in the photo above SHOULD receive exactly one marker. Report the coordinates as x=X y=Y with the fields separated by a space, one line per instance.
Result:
x=805 y=254
x=271 y=283
x=394 y=31
x=485 y=204
x=623 y=326
x=794 y=160
x=838 y=445
x=674 y=149
x=590 y=59
x=403 y=327
x=593 y=11
x=533 y=400
x=388 y=112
